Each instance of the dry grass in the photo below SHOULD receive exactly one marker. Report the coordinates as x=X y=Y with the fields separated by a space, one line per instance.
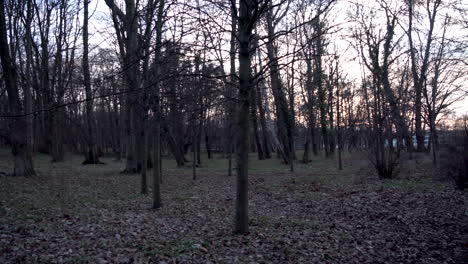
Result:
x=87 y=214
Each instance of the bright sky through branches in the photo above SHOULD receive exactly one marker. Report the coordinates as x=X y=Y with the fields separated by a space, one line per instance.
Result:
x=340 y=40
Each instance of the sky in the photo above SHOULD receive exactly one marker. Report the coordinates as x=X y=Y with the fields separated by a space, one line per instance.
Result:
x=101 y=28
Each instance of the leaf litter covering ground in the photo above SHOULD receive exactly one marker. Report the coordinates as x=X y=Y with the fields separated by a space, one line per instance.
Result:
x=91 y=214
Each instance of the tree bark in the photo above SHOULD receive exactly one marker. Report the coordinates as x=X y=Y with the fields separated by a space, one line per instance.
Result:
x=420 y=74
x=91 y=156
x=310 y=105
x=144 y=168
x=127 y=36
x=260 y=89
x=318 y=82
x=229 y=92
x=284 y=120
x=253 y=115
x=157 y=203
x=157 y=168
x=246 y=18
x=21 y=150
x=28 y=98
x=338 y=126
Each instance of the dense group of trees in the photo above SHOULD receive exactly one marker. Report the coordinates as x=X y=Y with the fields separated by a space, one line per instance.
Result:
x=229 y=77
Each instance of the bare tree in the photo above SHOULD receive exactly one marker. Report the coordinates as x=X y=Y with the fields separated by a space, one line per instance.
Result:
x=420 y=62
x=377 y=48
x=21 y=148
x=91 y=156
x=284 y=119
x=157 y=203
x=247 y=15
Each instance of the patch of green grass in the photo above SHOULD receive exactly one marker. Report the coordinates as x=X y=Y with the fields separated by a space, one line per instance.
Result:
x=269 y=165
x=312 y=196
x=327 y=257
x=261 y=220
x=412 y=185
x=86 y=198
x=183 y=197
x=174 y=248
x=82 y=259
x=306 y=223
x=219 y=164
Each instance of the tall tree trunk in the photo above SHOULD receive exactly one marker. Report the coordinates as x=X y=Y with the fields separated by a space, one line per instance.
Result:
x=157 y=168
x=318 y=82
x=464 y=172
x=284 y=121
x=246 y=22
x=208 y=139
x=174 y=130
x=28 y=98
x=420 y=73
x=46 y=89
x=194 y=156
x=58 y=82
x=291 y=97
x=126 y=27
x=199 y=126
x=305 y=155
x=144 y=168
x=331 y=126
x=338 y=126
x=260 y=89
x=157 y=203
x=176 y=150
x=229 y=92
x=310 y=104
x=416 y=83
x=253 y=115
x=91 y=156
x=21 y=150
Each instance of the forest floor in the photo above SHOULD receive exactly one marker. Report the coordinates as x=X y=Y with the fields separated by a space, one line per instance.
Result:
x=71 y=213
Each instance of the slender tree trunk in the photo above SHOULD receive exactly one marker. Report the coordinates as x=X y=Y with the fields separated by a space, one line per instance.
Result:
x=417 y=86
x=29 y=78
x=259 y=91
x=338 y=126
x=144 y=168
x=432 y=136
x=305 y=156
x=253 y=115
x=230 y=94
x=199 y=161
x=291 y=97
x=246 y=24
x=139 y=127
x=157 y=203
x=464 y=173
x=208 y=139
x=58 y=87
x=284 y=121
x=420 y=73
x=309 y=86
x=157 y=168
x=174 y=131
x=331 y=123
x=91 y=153
x=194 y=156
x=176 y=150
x=318 y=82
x=46 y=93
x=198 y=113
